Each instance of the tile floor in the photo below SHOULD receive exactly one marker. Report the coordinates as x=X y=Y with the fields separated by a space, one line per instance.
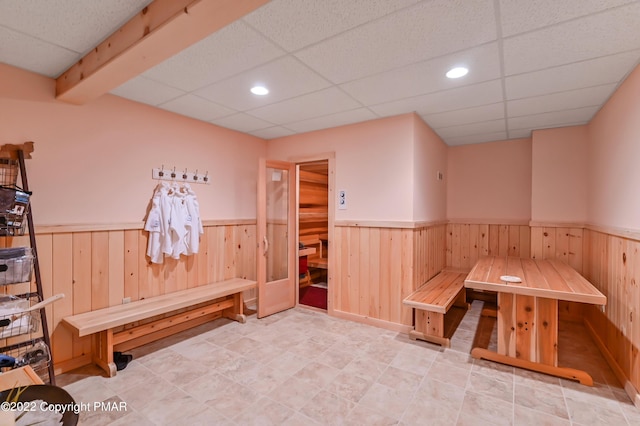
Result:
x=302 y=367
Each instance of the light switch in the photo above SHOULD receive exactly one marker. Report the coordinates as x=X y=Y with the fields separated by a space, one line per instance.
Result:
x=342 y=199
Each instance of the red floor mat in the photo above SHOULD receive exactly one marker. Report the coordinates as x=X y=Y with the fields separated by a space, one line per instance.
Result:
x=314 y=296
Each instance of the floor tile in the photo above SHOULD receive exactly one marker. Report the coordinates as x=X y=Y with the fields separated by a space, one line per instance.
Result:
x=540 y=399
x=480 y=409
x=302 y=367
x=524 y=416
x=328 y=409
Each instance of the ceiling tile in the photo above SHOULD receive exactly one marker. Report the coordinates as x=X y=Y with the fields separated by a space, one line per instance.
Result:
x=242 y=122
x=294 y=24
x=285 y=78
x=573 y=41
x=608 y=69
x=196 y=107
x=317 y=104
x=480 y=128
x=590 y=96
x=464 y=116
x=446 y=100
x=35 y=55
x=520 y=16
x=489 y=137
x=147 y=91
x=333 y=120
x=520 y=133
x=272 y=132
x=550 y=119
x=75 y=25
x=428 y=76
x=232 y=50
x=425 y=31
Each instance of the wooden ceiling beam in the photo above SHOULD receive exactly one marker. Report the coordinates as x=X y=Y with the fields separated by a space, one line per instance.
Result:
x=159 y=31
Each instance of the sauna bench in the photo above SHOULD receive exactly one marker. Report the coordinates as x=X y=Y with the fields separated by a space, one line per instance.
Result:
x=432 y=301
x=113 y=328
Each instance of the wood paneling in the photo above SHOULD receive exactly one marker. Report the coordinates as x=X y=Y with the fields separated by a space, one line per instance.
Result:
x=466 y=243
x=612 y=264
x=96 y=269
x=377 y=268
x=566 y=245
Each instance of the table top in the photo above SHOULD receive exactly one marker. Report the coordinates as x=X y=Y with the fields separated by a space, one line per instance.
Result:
x=548 y=278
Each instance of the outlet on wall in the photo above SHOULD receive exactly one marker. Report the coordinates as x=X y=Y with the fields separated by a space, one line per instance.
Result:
x=126 y=300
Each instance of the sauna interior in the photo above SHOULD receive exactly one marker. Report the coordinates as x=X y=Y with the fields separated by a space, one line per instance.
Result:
x=313 y=231
x=383 y=309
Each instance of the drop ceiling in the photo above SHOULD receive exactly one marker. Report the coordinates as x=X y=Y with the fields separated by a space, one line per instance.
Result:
x=533 y=64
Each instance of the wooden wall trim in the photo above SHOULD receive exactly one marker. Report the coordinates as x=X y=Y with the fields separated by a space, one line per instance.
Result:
x=631 y=234
x=387 y=224
x=93 y=227
x=631 y=391
x=519 y=222
x=387 y=325
x=535 y=224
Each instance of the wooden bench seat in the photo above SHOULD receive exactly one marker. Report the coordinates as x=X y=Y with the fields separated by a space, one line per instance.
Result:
x=112 y=328
x=432 y=301
x=320 y=263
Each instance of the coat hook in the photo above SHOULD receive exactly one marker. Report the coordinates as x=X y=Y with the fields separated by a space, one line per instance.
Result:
x=195 y=175
x=161 y=172
x=173 y=174
x=184 y=174
x=206 y=176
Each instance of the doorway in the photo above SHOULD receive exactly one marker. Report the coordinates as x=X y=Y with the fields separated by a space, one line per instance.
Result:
x=313 y=234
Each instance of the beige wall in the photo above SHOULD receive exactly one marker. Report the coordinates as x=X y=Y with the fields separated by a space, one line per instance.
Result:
x=373 y=164
x=614 y=159
x=559 y=175
x=92 y=163
x=490 y=182
x=429 y=157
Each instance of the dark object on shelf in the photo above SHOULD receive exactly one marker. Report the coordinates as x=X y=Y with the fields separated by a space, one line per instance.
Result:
x=51 y=395
x=14 y=204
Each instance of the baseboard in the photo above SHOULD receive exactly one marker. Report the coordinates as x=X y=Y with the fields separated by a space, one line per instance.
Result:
x=71 y=364
x=387 y=325
x=628 y=386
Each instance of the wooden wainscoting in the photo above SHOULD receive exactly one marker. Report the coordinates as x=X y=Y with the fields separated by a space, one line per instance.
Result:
x=377 y=267
x=567 y=245
x=97 y=269
x=612 y=264
x=467 y=242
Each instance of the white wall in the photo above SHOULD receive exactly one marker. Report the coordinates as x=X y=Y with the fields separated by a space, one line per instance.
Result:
x=373 y=164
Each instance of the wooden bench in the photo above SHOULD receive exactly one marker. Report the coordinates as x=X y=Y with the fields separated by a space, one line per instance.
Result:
x=432 y=301
x=113 y=329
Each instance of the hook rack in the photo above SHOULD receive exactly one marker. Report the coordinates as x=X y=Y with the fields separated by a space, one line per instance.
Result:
x=186 y=176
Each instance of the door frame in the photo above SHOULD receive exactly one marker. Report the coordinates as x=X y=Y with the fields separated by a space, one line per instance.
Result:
x=330 y=157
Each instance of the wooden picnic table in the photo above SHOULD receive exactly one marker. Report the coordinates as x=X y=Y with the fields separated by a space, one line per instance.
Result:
x=527 y=314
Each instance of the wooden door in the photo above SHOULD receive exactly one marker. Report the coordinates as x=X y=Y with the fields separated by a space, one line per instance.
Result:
x=277 y=253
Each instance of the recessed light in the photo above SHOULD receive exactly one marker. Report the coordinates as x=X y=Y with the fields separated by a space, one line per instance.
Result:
x=457 y=72
x=259 y=90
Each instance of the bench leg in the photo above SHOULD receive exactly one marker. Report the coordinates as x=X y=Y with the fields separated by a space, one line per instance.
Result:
x=102 y=351
x=236 y=311
x=430 y=327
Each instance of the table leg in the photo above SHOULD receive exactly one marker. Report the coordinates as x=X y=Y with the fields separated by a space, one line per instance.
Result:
x=567 y=373
x=528 y=337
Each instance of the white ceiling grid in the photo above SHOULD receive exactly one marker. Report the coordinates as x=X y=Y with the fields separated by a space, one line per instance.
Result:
x=533 y=63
